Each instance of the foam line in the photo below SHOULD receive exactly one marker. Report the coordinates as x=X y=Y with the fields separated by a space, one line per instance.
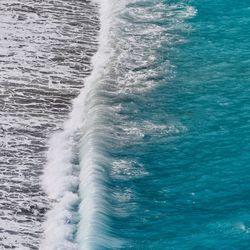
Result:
x=75 y=174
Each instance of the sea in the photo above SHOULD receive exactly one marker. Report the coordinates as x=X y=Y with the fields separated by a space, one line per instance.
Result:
x=125 y=124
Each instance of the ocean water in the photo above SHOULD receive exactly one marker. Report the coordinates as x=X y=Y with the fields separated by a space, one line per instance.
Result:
x=154 y=151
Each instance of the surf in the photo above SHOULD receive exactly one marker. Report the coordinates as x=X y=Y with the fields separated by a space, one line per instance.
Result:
x=74 y=177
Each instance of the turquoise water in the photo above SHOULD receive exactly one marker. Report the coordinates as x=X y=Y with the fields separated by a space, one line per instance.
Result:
x=194 y=193
x=155 y=154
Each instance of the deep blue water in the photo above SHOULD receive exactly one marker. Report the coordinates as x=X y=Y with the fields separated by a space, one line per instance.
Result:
x=195 y=190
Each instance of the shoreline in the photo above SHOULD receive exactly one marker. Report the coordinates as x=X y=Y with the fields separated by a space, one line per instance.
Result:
x=43 y=63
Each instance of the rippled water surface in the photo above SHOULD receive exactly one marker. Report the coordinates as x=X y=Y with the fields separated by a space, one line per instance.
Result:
x=155 y=153
x=45 y=49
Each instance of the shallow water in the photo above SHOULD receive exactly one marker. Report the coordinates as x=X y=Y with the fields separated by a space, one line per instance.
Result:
x=45 y=51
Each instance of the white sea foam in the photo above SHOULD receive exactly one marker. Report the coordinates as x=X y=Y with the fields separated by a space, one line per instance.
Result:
x=62 y=176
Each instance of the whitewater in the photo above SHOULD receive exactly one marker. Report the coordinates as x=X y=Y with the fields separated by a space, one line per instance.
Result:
x=76 y=166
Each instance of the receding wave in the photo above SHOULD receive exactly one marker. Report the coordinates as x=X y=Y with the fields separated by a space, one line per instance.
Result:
x=45 y=52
